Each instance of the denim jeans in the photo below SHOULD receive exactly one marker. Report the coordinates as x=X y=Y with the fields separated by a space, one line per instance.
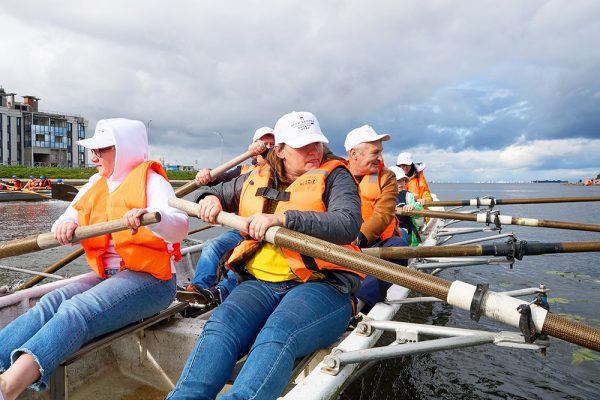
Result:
x=66 y=318
x=206 y=268
x=274 y=323
x=374 y=290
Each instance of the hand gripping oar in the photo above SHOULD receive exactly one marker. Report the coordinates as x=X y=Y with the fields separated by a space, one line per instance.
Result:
x=489 y=201
x=499 y=220
x=46 y=240
x=460 y=294
x=191 y=186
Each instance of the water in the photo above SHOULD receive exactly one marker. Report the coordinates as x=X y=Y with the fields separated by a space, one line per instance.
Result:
x=491 y=372
x=478 y=373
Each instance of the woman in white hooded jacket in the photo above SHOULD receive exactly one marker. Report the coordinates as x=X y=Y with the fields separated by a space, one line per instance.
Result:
x=133 y=274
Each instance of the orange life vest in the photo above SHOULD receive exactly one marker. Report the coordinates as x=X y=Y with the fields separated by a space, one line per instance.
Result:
x=246 y=168
x=418 y=186
x=144 y=251
x=305 y=194
x=370 y=189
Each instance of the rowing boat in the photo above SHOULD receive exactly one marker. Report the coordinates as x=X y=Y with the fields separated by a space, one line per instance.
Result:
x=25 y=195
x=150 y=360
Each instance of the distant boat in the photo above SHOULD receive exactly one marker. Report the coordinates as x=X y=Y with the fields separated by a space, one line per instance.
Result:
x=25 y=195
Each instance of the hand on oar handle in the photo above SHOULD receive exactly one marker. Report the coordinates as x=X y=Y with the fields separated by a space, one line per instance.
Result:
x=203 y=177
x=208 y=209
x=132 y=219
x=257 y=148
x=64 y=232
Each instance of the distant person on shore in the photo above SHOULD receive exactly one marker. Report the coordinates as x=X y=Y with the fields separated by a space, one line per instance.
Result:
x=378 y=192
x=133 y=270
x=417 y=183
x=213 y=251
x=407 y=201
x=16 y=183
x=32 y=183
x=44 y=183
x=59 y=181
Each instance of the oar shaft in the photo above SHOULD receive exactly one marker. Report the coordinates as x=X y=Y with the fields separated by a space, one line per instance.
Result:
x=460 y=294
x=191 y=186
x=486 y=218
x=46 y=240
x=30 y=272
x=53 y=268
x=488 y=201
x=518 y=250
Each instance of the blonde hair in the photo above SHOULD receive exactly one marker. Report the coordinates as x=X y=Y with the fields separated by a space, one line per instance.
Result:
x=278 y=166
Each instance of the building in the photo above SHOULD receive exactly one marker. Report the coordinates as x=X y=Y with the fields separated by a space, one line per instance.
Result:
x=34 y=138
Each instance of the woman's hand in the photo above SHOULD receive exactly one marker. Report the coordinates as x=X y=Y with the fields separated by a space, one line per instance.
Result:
x=203 y=177
x=132 y=219
x=208 y=209
x=64 y=232
x=257 y=225
x=407 y=207
x=422 y=201
x=257 y=148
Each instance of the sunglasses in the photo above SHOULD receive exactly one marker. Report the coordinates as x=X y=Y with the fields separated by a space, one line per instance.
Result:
x=98 y=152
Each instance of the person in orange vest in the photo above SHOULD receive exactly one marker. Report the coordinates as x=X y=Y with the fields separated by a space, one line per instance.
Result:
x=32 y=183
x=378 y=192
x=133 y=269
x=417 y=184
x=44 y=183
x=203 y=283
x=16 y=183
x=287 y=305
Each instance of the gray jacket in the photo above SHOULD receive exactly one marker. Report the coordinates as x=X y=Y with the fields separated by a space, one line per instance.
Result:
x=340 y=224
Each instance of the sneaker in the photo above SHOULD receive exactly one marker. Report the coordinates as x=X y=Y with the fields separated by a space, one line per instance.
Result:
x=209 y=297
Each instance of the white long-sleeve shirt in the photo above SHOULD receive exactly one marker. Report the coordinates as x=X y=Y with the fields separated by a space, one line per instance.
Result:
x=172 y=228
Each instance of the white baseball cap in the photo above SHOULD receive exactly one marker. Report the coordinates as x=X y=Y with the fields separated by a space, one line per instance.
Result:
x=103 y=137
x=404 y=159
x=398 y=172
x=363 y=134
x=297 y=129
x=260 y=132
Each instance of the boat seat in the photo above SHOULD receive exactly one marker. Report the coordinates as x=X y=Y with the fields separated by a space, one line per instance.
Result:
x=58 y=380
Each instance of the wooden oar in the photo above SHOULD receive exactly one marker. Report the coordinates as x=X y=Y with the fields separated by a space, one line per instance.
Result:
x=53 y=268
x=191 y=186
x=459 y=294
x=493 y=218
x=23 y=190
x=43 y=241
x=491 y=201
x=64 y=192
x=512 y=250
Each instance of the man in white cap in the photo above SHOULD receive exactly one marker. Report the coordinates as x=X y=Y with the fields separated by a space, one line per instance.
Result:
x=203 y=283
x=378 y=192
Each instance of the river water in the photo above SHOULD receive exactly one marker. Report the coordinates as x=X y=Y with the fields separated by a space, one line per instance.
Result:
x=484 y=372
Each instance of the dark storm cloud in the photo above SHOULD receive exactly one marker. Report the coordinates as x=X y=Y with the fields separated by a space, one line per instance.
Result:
x=456 y=78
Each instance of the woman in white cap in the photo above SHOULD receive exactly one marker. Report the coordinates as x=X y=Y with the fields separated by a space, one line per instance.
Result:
x=407 y=201
x=132 y=274
x=417 y=183
x=287 y=305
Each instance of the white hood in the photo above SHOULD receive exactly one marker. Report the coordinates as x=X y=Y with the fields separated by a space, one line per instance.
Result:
x=131 y=143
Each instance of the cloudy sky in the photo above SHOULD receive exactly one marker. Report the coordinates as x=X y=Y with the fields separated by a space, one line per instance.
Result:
x=480 y=91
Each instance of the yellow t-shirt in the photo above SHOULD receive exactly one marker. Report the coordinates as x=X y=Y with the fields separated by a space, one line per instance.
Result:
x=270 y=265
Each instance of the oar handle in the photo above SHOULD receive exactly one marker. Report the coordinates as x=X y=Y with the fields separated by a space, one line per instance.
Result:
x=191 y=209
x=46 y=240
x=215 y=172
x=488 y=201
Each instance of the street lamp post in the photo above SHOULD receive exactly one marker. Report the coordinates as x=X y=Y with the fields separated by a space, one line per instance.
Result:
x=221 y=151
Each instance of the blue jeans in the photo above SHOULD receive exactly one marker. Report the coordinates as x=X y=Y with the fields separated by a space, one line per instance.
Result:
x=274 y=323
x=374 y=290
x=206 y=268
x=67 y=318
